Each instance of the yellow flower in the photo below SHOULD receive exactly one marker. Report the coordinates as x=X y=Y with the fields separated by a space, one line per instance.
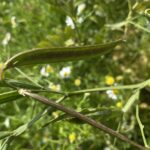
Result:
x=1 y=65
x=49 y=69
x=77 y=82
x=65 y=72
x=46 y=71
x=109 y=80
x=72 y=137
x=119 y=104
x=55 y=87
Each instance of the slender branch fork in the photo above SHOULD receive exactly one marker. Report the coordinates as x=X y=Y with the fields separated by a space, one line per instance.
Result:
x=84 y=118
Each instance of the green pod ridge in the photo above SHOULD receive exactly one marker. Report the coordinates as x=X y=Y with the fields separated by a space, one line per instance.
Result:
x=53 y=55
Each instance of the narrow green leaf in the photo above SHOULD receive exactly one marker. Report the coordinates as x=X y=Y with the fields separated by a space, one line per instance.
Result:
x=20 y=130
x=4 y=134
x=9 y=96
x=53 y=55
x=5 y=144
x=18 y=84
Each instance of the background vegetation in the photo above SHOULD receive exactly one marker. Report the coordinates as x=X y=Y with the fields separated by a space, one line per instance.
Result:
x=53 y=23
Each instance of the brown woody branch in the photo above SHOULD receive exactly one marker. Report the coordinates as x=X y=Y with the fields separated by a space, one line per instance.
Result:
x=84 y=118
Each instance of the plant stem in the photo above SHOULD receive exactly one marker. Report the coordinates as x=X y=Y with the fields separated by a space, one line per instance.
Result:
x=141 y=127
x=81 y=117
x=129 y=17
x=139 y=26
x=134 y=86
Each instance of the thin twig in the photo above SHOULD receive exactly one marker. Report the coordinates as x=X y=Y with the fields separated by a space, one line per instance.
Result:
x=81 y=117
x=141 y=127
x=129 y=17
x=139 y=26
x=122 y=87
x=27 y=77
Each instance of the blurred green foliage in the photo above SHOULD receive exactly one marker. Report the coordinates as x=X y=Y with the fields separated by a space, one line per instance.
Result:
x=52 y=23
